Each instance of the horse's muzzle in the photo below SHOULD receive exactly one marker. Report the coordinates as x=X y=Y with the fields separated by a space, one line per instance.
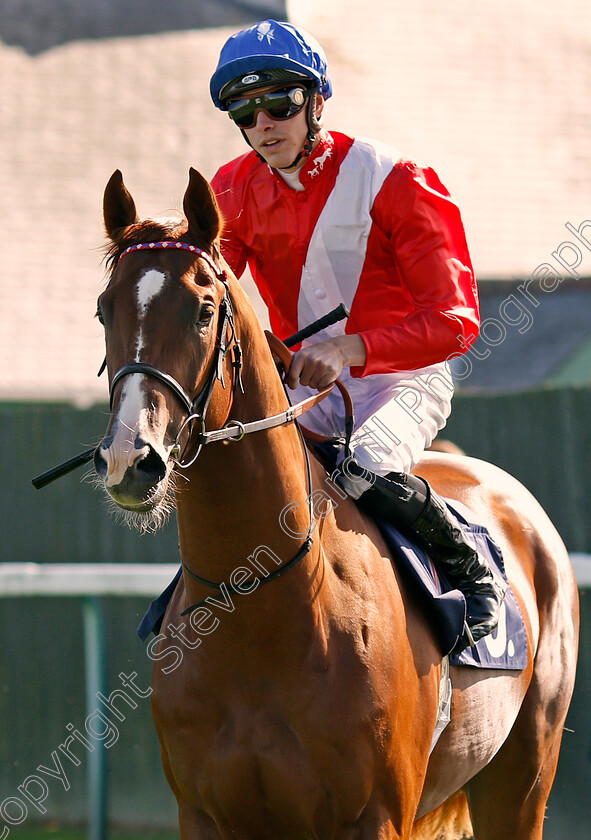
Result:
x=134 y=479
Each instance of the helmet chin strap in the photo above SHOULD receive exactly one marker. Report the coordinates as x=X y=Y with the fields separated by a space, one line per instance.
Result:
x=306 y=151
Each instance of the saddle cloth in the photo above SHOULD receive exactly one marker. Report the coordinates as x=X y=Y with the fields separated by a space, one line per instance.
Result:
x=505 y=649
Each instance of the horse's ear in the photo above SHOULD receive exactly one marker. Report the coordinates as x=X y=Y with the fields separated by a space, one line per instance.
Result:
x=118 y=205
x=201 y=209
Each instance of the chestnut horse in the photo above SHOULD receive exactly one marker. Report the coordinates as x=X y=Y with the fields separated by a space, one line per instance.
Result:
x=298 y=697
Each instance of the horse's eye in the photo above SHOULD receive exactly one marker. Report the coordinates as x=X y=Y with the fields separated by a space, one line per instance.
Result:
x=99 y=315
x=206 y=313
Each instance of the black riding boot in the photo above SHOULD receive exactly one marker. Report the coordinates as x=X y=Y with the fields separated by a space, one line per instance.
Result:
x=409 y=503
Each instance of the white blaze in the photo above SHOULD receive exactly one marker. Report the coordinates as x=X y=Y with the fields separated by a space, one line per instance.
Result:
x=132 y=415
x=149 y=287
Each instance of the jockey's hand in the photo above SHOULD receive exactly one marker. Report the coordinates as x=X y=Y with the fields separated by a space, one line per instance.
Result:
x=318 y=365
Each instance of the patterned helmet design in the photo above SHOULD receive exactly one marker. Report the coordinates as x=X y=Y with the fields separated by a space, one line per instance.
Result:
x=268 y=53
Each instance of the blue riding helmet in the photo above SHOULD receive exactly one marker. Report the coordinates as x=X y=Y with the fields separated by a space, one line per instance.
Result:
x=268 y=53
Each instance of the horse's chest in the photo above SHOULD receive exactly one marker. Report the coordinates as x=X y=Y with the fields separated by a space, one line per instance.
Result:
x=267 y=764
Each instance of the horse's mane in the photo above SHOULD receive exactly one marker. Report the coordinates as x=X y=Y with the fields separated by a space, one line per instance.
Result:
x=146 y=230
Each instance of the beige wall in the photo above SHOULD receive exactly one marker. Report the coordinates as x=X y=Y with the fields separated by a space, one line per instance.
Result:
x=494 y=95
x=69 y=117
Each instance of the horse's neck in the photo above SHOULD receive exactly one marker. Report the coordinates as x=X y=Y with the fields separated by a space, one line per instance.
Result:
x=247 y=502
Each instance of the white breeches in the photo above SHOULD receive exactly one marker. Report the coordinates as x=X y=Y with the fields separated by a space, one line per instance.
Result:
x=397 y=416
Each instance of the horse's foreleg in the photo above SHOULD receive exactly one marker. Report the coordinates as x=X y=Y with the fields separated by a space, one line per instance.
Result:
x=195 y=825
x=376 y=824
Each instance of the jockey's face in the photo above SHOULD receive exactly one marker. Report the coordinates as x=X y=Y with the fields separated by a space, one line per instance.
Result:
x=279 y=142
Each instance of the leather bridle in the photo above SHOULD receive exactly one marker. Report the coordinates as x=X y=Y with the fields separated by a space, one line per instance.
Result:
x=227 y=339
x=196 y=407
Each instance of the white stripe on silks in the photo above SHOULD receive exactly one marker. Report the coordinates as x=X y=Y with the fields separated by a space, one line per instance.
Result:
x=336 y=252
x=330 y=276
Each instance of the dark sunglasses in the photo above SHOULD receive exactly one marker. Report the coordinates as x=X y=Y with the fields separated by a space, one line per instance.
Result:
x=279 y=105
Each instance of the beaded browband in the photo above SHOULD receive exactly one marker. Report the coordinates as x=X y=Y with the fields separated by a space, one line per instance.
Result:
x=184 y=246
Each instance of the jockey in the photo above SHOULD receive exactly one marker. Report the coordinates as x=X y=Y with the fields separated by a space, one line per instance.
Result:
x=322 y=218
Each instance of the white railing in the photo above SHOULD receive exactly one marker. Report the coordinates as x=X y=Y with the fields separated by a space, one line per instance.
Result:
x=90 y=582
x=582 y=566
x=93 y=581
x=76 y=579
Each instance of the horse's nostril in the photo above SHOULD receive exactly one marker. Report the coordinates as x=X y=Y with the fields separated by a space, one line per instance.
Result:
x=100 y=463
x=152 y=466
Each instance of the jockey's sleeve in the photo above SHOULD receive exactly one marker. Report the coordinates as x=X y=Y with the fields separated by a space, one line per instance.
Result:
x=232 y=247
x=426 y=234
